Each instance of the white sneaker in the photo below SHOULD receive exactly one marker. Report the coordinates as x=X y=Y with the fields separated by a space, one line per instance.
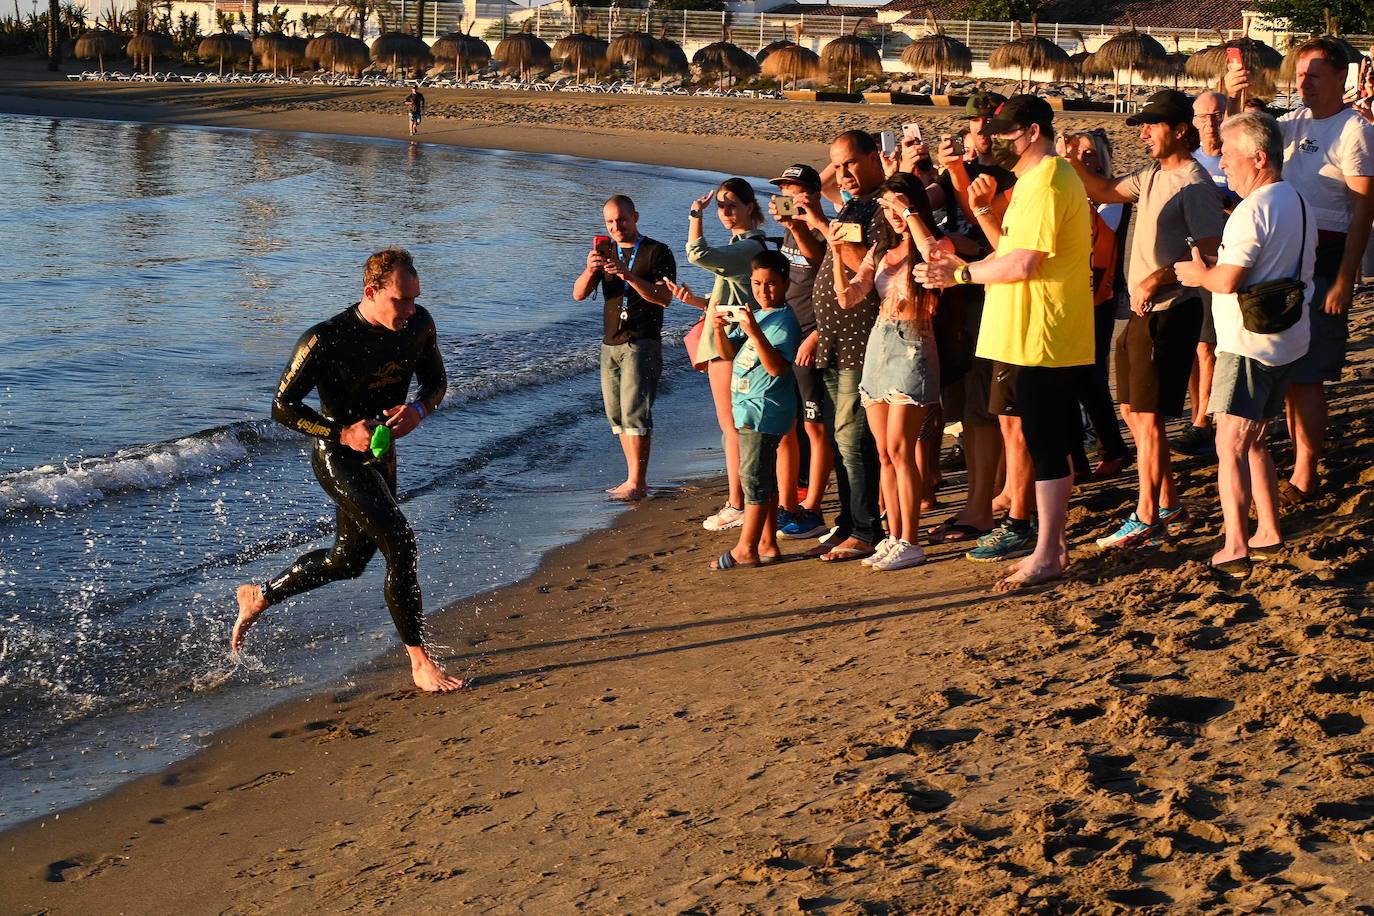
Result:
x=903 y=556
x=885 y=546
x=727 y=517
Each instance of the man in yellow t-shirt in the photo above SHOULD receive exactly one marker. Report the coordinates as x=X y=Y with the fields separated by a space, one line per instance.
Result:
x=1038 y=318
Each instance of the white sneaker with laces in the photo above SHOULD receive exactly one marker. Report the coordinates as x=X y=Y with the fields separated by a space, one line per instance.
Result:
x=885 y=546
x=903 y=556
x=727 y=517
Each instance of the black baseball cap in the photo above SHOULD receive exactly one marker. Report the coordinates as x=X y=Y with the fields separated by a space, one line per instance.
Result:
x=1167 y=106
x=803 y=175
x=1021 y=111
x=983 y=104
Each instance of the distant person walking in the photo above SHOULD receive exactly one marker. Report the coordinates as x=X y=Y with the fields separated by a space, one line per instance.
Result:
x=415 y=108
x=632 y=270
x=359 y=364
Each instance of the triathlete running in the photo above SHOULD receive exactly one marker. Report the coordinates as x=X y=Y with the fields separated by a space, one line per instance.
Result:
x=360 y=363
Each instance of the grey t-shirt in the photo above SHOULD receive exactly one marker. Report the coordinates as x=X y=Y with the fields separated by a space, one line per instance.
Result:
x=1171 y=205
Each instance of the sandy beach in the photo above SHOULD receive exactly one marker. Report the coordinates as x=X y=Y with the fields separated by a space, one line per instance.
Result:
x=644 y=734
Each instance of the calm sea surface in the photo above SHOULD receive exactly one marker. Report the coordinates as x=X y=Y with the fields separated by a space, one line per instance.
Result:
x=157 y=279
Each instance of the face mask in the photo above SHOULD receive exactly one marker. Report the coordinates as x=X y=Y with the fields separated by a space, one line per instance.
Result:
x=1004 y=153
x=845 y=195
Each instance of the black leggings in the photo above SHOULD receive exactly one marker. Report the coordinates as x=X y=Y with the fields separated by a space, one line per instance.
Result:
x=1050 y=420
x=368 y=517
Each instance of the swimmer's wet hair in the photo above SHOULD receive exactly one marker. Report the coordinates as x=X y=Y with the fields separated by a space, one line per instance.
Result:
x=379 y=268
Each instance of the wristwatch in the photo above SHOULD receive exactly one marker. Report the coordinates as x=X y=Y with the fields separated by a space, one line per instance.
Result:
x=962 y=274
x=906 y=214
x=695 y=213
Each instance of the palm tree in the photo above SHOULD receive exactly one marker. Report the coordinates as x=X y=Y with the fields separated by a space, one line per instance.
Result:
x=54 y=39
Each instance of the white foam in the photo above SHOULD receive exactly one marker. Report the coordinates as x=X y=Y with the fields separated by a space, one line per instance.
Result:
x=139 y=468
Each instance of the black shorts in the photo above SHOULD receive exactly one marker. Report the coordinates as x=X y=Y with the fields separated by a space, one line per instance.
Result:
x=1154 y=357
x=810 y=393
x=1002 y=389
x=1050 y=419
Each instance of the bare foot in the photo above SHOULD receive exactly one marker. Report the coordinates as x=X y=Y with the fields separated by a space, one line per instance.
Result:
x=1001 y=504
x=848 y=549
x=1026 y=574
x=251 y=605
x=430 y=678
x=619 y=488
x=627 y=493
x=1225 y=555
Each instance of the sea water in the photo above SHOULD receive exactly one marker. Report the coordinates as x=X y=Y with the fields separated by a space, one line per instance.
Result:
x=156 y=280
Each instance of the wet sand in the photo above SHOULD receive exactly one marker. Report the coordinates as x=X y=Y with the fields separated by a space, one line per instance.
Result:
x=646 y=734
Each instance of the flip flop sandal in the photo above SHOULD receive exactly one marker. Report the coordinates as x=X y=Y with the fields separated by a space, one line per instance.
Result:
x=727 y=561
x=1267 y=553
x=940 y=534
x=1292 y=497
x=1238 y=569
x=764 y=561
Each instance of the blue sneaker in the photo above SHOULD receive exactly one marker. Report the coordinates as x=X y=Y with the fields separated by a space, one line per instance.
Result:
x=798 y=526
x=1132 y=532
x=1005 y=542
x=1175 y=521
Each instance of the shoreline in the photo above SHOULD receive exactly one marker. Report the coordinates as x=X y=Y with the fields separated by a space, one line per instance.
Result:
x=644 y=733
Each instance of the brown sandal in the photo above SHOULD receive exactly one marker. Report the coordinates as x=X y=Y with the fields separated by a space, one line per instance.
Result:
x=1292 y=497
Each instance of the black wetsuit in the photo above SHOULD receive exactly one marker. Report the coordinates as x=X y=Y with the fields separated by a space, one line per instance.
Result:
x=358 y=370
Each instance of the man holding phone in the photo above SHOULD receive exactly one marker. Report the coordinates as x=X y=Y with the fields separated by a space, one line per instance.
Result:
x=1328 y=157
x=630 y=269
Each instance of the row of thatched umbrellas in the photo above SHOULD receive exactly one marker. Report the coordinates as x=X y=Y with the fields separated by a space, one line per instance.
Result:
x=848 y=56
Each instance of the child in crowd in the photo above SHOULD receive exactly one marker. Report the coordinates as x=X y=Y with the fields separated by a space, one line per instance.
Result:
x=763 y=400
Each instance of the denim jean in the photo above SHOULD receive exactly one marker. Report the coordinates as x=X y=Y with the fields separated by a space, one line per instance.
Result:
x=629 y=382
x=856 y=456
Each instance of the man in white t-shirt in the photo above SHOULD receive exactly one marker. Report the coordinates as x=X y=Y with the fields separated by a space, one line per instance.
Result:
x=1271 y=235
x=1328 y=157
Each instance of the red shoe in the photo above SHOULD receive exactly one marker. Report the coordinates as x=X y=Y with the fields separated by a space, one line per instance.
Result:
x=1108 y=468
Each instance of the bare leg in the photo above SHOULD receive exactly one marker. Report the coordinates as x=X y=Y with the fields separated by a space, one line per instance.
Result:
x=904 y=424
x=819 y=478
x=755 y=536
x=720 y=371
x=1307 y=418
x=788 y=469
x=1152 y=454
x=1020 y=486
x=1235 y=436
x=636 y=485
x=887 y=481
x=1203 y=367
x=1264 y=491
x=429 y=676
x=982 y=453
x=928 y=462
x=1051 y=554
x=251 y=605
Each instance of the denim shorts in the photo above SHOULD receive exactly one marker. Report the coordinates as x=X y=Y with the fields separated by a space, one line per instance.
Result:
x=758 y=466
x=629 y=382
x=900 y=364
x=1247 y=388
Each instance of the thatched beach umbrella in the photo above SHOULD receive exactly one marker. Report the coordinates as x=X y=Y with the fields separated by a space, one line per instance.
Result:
x=275 y=50
x=671 y=58
x=1132 y=51
x=224 y=46
x=762 y=54
x=149 y=45
x=938 y=54
x=1028 y=54
x=635 y=48
x=581 y=51
x=401 y=50
x=100 y=44
x=523 y=51
x=792 y=62
x=850 y=55
x=337 y=52
x=465 y=50
x=1210 y=63
x=722 y=57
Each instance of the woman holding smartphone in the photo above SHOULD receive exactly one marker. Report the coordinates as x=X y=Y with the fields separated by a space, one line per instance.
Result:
x=740 y=214
x=901 y=378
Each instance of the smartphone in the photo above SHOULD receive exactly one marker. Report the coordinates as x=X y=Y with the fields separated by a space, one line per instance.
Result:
x=850 y=232
x=1190 y=242
x=1234 y=59
x=889 y=142
x=786 y=206
x=604 y=246
x=1352 y=75
x=955 y=142
x=911 y=132
x=732 y=313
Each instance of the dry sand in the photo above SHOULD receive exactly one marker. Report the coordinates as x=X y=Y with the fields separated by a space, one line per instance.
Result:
x=647 y=735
